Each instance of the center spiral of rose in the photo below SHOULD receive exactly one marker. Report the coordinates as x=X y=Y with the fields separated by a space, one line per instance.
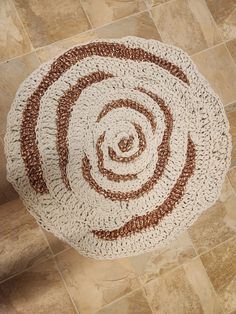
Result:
x=125 y=144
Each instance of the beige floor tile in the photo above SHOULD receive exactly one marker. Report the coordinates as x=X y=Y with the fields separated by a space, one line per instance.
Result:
x=105 y=11
x=56 y=244
x=224 y=13
x=231 y=114
x=49 y=21
x=100 y=281
x=12 y=75
x=48 y=52
x=22 y=241
x=140 y=25
x=39 y=290
x=216 y=224
x=220 y=264
x=134 y=303
x=187 y=24
x=6 y=190
x=14 y=41
x=232 y=177
x=187 y=289
x=232 y=48
x=150 y=265
x=219 y=69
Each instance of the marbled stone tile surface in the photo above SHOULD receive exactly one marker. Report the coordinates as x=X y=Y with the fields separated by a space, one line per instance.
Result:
x=187 y=24
x=219 y=69
x=195 y=274
x=50 y=21
x=14 y=40
x=100 y=281
x=22 y=241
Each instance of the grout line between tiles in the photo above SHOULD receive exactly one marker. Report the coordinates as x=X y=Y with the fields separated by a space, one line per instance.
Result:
x=146 y=9
x=85 y=12
x=148 y=3
x=145 y=296
x=65 y=285
x=229 y=178
x=234 y=191
x=22 y=24
x=37 y=57
x=16 y=57
x=204 y=50
x=233 y=166
x=215 y=247
x=162 y=4
x=151 y=15
x=152 y=18
x=120 y=19
x=168 y=272
x=212 y=287
x=35 y=264
x=26 y=269
x=193 y=246
x=118 y=299
x=216 y=26
x=231 y=57
x=58 y=253
x=230 y=103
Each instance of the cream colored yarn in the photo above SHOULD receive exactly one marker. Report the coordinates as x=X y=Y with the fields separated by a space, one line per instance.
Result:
x=74 y=209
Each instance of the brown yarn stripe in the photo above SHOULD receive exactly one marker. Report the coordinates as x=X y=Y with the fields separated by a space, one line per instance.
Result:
x=29 y=149
x=142 y=145
x=140 y=223
x=126 y=144
x=65 y=106
x=128 y=103
x=106 y=172
x=163 y=151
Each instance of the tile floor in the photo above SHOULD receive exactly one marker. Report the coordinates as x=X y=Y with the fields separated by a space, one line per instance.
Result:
x=197 y=272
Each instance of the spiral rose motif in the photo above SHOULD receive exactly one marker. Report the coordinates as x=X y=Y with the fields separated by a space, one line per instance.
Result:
x=116 y=146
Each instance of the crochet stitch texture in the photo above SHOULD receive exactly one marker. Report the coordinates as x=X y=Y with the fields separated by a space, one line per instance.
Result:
x=117 y=146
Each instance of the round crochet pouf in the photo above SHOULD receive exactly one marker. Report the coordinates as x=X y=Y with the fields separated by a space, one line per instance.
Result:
x=117 y=146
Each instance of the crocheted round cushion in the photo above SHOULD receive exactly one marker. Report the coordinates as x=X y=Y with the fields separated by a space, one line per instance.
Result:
x=117 y=146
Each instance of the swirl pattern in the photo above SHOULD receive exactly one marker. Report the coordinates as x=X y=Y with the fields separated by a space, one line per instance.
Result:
x=116 y=146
